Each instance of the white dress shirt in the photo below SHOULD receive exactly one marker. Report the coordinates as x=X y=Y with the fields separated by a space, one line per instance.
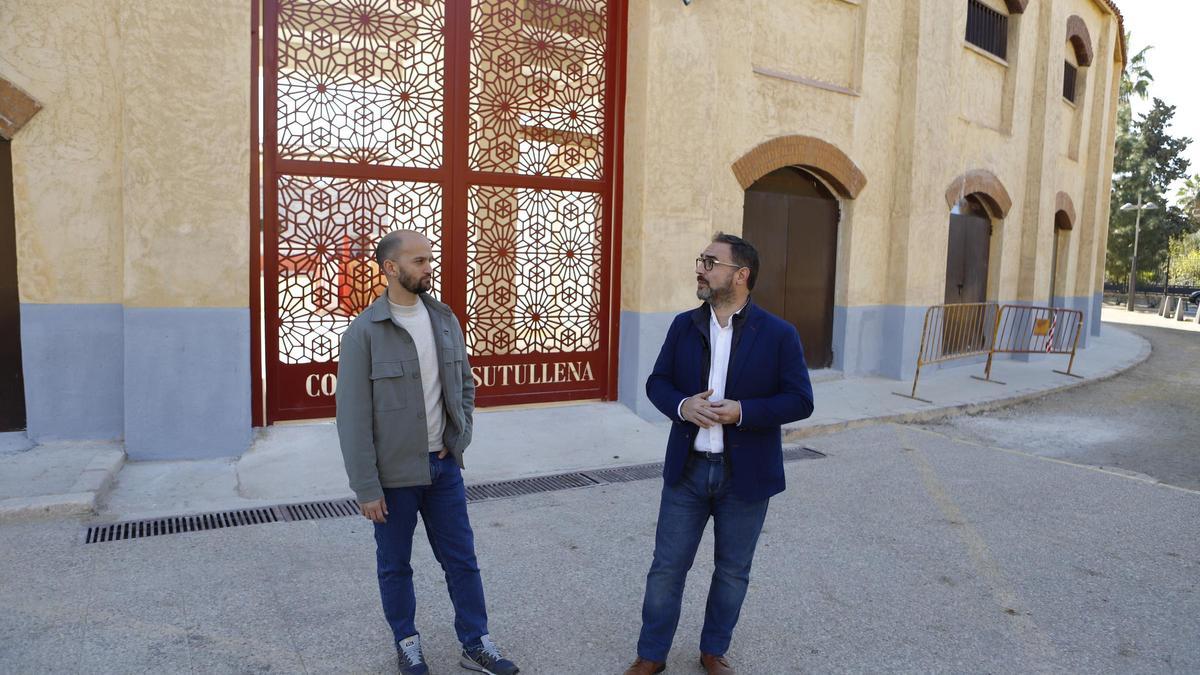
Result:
x=720 y=340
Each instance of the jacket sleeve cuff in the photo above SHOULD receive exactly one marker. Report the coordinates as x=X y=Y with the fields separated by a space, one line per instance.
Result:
x=679 y=410
x=369 y=493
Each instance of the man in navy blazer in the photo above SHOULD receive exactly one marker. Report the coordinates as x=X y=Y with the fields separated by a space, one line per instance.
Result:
x=729 y=375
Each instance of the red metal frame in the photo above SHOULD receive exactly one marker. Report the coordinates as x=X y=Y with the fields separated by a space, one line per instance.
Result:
x=257 y=403
x=456 y=179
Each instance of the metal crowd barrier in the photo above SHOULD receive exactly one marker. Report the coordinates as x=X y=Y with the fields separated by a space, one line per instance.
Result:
x=1024 y=329
x=954 y=332
x=985 y=328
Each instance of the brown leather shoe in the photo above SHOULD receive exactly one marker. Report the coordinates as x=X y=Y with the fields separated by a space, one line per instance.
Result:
x=643 y=667
x=716 y=665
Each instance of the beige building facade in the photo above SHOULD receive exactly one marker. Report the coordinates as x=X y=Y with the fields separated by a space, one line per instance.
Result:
x=134 y=200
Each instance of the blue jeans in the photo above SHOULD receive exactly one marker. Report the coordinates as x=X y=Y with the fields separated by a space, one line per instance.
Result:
x=704 y=490
x=443 y=508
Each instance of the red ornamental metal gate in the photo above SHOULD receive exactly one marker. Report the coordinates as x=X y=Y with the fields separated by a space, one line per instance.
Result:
x=489 y=125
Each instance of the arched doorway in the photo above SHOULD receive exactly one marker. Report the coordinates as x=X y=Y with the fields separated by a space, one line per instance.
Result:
x=792 y=219
x=1058 y=255
x=967 y=252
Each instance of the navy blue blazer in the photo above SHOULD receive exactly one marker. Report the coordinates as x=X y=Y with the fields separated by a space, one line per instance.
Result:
x=767 y=375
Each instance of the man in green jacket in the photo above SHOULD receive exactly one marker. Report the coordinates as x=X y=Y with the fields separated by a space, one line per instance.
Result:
x=405 y=398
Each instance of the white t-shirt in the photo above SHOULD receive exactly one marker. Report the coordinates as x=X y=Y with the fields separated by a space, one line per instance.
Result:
x=415 y=320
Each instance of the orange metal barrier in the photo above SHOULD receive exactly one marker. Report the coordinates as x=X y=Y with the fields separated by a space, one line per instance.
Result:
x=954 y=332
x=1023 y=329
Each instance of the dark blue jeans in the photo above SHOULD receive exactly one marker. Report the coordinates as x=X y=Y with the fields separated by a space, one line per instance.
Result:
x=704 y=490
x=443 y=509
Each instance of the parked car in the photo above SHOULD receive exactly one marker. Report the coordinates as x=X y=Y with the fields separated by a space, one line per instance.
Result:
x=1194 y=298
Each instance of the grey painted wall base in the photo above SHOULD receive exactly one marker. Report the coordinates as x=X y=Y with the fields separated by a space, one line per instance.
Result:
x=173 y=383
x=73 y=359
x=1083 y=304
x=880 y=340
x=877 y=340
x=187 y=383
x=641 y=339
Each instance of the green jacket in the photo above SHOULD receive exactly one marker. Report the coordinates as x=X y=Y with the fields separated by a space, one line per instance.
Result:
x=380 y=405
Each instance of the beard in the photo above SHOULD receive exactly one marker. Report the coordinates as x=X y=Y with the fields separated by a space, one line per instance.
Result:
x=709 y=293
x=415 y=285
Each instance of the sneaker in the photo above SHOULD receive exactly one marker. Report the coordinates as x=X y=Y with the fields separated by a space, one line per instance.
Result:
x=485 y=658
x=408 y=653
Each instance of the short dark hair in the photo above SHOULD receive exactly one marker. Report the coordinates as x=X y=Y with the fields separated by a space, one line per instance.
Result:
x=744 y=254
x=387 y=246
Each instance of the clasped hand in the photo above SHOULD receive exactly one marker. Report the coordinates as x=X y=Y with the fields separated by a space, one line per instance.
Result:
x=705 y=413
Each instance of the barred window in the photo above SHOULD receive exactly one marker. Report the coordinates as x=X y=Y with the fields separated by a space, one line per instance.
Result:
x=1069 y=72
x=987 y=28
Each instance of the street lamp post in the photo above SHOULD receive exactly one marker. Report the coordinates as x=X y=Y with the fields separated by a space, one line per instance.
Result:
x=1137 y=230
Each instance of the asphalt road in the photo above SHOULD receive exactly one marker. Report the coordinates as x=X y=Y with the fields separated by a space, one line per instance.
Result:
x=1144 y=421
x=904 y=550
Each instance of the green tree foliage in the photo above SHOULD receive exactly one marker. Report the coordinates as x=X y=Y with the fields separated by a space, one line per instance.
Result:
x=1185 y=249
x=1185 y=260
x=1148 y=160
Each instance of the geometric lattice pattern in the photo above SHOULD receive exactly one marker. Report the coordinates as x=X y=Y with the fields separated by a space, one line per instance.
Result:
x=537 y=83
x=328 y=228
x=534 y=270
x=361 y=81
x=361 y=92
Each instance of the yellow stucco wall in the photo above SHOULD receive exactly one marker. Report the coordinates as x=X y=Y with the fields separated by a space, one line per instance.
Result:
x=904 y=97
x=132 y=184
x=187 y=152
x=67 y=159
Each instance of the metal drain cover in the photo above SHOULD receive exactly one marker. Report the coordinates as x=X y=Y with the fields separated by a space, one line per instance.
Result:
x=342 y=508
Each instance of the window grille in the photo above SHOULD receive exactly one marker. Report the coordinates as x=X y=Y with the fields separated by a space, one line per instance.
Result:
x=987 y=28
x=1069 y=72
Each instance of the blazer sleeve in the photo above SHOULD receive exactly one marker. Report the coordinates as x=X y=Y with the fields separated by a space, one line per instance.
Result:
x=660 y=386
x=794 y=400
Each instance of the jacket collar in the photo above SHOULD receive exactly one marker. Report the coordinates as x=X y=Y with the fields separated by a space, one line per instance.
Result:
x=380 y=311
x=703 y=314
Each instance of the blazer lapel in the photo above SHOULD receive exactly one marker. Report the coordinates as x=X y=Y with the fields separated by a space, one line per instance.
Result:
x=737 y=360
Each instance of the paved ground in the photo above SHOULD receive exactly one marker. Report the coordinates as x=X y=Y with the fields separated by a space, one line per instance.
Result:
x=1146 y=421
x=300 y=462
x=904 y=550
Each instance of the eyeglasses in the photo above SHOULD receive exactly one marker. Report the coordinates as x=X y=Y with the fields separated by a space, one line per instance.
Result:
x=707 y=263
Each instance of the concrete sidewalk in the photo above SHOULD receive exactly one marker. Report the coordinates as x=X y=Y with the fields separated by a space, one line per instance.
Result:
x=301 y=462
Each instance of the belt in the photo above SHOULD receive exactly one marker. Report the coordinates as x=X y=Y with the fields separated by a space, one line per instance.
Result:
x=709 y=456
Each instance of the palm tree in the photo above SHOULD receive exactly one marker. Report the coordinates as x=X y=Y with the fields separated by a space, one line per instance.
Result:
x=1136 y=78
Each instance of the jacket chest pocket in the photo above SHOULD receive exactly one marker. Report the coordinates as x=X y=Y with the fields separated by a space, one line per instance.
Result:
x=388 y=384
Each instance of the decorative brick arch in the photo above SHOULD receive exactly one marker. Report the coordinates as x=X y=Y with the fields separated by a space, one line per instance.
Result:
x=1064 y=205
x=16 y=108
x=813 y=154
x=986 y=186
x=1016 y=6
x=1080 y=39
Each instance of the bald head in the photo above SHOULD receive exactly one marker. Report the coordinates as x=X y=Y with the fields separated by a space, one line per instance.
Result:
x=393 y=242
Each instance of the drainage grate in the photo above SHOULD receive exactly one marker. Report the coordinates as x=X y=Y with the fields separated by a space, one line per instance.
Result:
x=792 y=454
x=626 y=474
x=154 y=527
x=528 y=486
x=337 y=508
x=341 y=508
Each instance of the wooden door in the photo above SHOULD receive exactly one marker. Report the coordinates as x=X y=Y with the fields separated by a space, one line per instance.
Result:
x=967 y=253
x=967 y=259
x=12 y=385
x=792 y=220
